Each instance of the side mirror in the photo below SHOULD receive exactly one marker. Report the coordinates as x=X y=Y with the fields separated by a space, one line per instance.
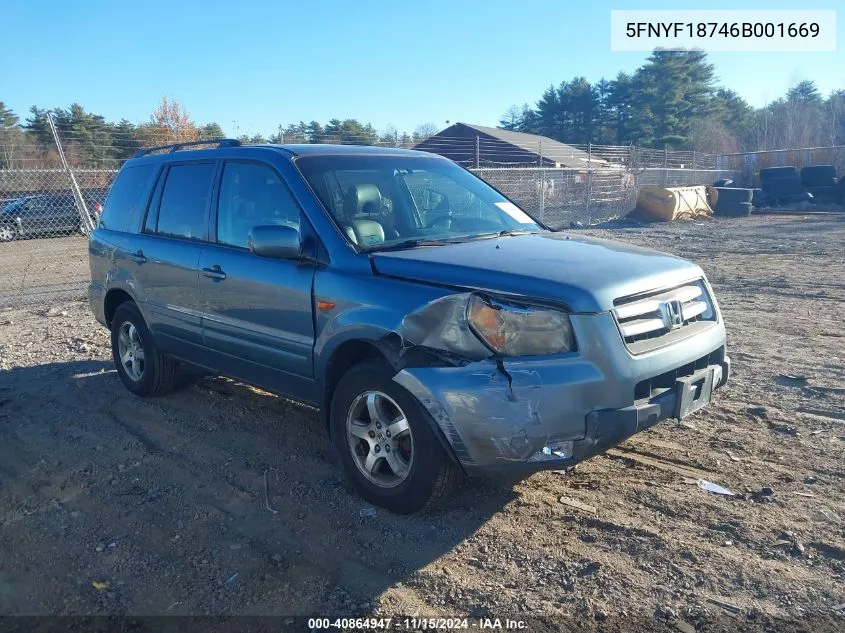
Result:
x=275 y=242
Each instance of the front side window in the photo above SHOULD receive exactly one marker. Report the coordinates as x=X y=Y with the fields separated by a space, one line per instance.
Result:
x=252 y=195
x=184 y=201
x=379 y=201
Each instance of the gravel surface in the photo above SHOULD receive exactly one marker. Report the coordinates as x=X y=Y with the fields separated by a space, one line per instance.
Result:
x=43 y=271
x=222 y=499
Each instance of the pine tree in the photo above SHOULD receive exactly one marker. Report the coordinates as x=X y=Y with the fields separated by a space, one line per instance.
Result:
x=8 y=118
x=619 y=108
x=511 y=119
x=805 y=92
x=38 y=127
x=548 y=113
x=669 y=91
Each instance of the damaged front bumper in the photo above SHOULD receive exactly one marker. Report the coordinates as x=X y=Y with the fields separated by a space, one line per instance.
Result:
x=551 y=412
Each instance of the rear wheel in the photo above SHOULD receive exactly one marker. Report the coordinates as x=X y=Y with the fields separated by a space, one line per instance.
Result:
x=142 y=368
x=385 y=443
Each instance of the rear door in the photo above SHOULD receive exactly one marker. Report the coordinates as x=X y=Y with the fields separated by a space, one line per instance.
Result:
x=164 y=257
x=257 y=312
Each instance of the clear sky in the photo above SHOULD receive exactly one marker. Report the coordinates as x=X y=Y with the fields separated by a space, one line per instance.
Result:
x=253 y=64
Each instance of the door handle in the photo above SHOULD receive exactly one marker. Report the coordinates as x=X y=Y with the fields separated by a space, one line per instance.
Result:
x=137 y=257
x=214 y=273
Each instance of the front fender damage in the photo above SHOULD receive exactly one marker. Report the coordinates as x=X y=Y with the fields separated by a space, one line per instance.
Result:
x=489 y=410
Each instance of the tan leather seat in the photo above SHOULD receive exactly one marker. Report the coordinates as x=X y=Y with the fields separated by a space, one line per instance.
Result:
x=366 y=232
x=360 y=202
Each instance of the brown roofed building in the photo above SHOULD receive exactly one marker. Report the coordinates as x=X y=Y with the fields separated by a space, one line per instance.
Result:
x=481 y=146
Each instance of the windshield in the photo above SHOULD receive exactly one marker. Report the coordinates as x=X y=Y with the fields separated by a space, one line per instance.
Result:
x=403 y=201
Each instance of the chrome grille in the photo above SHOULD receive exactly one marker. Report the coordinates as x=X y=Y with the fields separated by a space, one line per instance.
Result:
x=650 y=320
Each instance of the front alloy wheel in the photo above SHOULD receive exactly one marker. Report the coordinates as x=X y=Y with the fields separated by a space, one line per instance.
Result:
x=7 y=233
x=386 y=441
x=380 y=439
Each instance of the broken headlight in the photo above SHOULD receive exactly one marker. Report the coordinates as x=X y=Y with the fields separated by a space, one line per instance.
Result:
x=514 y=330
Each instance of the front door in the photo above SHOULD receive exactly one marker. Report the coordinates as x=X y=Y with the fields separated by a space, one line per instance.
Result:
x=257 y=312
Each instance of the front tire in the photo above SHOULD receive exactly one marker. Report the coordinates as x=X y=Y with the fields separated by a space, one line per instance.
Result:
x=142 y=368
x=385 y=443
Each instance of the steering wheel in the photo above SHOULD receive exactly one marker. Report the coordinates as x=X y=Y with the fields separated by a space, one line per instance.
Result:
x=447 y=215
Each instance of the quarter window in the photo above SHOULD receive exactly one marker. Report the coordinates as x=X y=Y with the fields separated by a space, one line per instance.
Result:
x=184 y=201
x=252 y=195
x=125 y=201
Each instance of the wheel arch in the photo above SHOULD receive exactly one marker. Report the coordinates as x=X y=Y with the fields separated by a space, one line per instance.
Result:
x=114 y=297
x=341 y=359
x=353 y=351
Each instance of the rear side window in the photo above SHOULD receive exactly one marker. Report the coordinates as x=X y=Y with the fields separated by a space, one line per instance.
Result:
x=125 y=202
x=184 y=201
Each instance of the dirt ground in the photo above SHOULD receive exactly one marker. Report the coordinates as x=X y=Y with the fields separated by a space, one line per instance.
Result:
x=219 y=499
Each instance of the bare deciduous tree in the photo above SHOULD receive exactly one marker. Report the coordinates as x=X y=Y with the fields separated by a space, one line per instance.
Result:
x=11 y=136
x=426 y=130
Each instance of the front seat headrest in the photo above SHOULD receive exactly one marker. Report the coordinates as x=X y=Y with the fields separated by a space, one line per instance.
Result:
x=362 y=200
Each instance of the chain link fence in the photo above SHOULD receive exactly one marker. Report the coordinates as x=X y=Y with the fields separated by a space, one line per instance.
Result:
x=747 y=165
x=563 y=197
x=43 y=244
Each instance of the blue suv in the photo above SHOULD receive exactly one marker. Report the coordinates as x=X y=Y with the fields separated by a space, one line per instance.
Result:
x=440 y=329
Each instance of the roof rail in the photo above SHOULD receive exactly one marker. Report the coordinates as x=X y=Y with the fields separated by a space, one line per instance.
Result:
x=220 y=142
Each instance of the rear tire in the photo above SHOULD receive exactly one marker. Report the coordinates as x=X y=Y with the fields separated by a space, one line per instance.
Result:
x=426 y=474
x=733 y=210
x=142 y=368
x=778 y=173
x=728 y=195
x=818 y=176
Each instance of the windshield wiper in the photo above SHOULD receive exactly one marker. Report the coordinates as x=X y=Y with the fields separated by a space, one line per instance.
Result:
x=414 y=243
x=515 y=232
x=405 y=244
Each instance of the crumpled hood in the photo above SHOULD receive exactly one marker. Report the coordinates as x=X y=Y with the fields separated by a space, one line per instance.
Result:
x=584 y=273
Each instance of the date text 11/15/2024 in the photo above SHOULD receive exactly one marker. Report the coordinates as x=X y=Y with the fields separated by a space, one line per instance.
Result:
x=416 y=624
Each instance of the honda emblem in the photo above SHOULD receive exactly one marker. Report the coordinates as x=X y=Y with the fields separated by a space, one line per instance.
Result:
x=672 y=314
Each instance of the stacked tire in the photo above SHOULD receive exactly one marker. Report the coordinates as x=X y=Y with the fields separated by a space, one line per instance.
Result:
x=733 y=203
x=820 y=180
x=781 y=185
